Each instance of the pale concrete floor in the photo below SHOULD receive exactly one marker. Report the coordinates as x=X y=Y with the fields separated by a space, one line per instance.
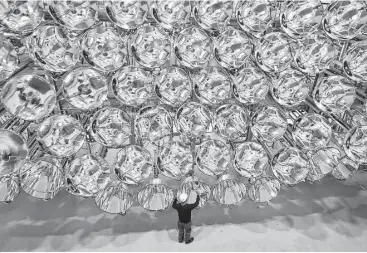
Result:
x=330 y=216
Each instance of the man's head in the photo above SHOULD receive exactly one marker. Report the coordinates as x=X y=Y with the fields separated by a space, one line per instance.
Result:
x=182 y=198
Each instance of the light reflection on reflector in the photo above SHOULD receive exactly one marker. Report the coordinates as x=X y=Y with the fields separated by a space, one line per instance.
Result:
x=155 y=196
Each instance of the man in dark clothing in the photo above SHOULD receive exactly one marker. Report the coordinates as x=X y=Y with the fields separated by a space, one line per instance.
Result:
x=184 y=217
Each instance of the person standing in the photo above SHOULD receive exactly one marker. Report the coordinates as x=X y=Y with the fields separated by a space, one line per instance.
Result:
x=184 y=217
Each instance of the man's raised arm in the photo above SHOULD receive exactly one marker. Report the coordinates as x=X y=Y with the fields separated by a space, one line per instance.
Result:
x=194 y=205
x=174 y=205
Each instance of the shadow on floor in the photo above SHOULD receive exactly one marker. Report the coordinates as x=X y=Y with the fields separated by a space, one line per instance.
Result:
x=81 y=220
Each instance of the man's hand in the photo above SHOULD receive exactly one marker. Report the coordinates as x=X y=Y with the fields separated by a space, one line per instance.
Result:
x=203 y=195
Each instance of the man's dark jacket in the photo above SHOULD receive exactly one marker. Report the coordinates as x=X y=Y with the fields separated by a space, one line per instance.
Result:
x=184 y=211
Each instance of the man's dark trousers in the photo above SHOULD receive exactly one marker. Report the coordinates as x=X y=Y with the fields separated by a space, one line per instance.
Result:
x=184 y=229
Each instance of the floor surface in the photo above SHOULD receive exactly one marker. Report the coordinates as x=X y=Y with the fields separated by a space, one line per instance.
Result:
x=328 y=216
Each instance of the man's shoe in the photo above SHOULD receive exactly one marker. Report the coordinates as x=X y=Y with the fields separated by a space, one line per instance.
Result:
x=190 y=240
x=180 y=241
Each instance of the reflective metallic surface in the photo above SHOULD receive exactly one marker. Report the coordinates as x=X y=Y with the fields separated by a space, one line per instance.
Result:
x=85 y=88
x=334 y=94
x=153 y=123
x=132 y=85
x=42 y=178
x=115 y=197
x=213 y=158
x=359 y=117
x=254 y=17
x=193 y=120
x=290 y=166
x=9 y=188
x=232 y=48
x=14 y=151
x=175 y=160
x=344 y=20
x=135 y=102
x=301 y=17
x=173 y=86
x=85 y=174
x=61 y=135
x=171 y=14
x=228 y=191
x=151 y=46
x=355 y=144
x=213 y=15
x=155 y=196
x=323 y=162
x=193 y=47
x=127 y=14
x=133 y=165
x=345 y=169
x=9 y=58
x=104 y=48
x=269 y=123
x=212 y=85
x=4 y=8
x=29 y=96
x=290 y=88
x=264 y=190
x=250 y=159
x=111 y=127
x=52 y=49
x=312 y=131
x=22 y=17
x=193 y=186
x=355 y=62
x=314 y=53
x=273 y=52
x=230 y=121
x=74 y=15
x=250 y=85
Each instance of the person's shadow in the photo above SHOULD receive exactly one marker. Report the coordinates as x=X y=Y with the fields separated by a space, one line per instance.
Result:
x=196 y=233
x=67 y=216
